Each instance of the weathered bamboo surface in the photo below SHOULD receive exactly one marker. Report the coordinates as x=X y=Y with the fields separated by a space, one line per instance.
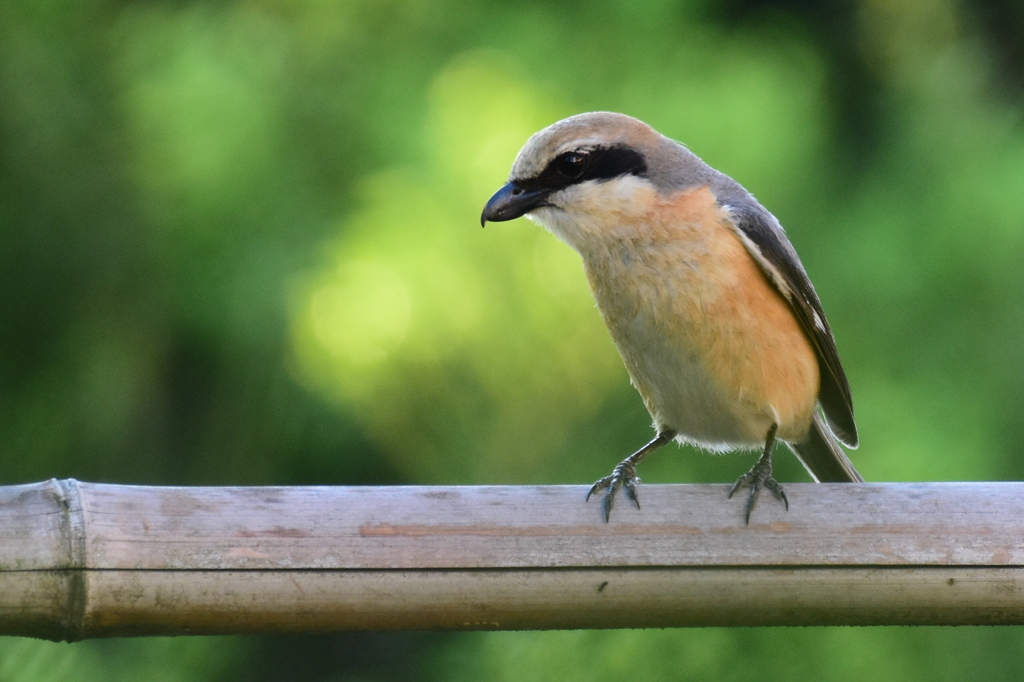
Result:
x=82 y=560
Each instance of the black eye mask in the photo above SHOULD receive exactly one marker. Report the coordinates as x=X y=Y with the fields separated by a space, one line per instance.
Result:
x=599 y=163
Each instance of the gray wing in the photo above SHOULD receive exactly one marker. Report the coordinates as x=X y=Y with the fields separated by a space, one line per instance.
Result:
x=767 y=242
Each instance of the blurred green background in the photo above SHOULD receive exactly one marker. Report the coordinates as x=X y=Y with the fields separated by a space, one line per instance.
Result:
x=239 y=244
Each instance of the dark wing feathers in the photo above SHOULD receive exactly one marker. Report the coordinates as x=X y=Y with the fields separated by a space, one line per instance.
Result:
x=777 y=257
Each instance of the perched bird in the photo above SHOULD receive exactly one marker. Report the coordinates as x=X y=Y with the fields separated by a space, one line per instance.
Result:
x=711 y=310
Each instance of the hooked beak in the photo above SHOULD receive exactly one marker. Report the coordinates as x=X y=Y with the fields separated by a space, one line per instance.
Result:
x=512 y=201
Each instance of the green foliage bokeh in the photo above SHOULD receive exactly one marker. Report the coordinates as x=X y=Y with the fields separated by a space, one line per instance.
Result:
x=239 y=244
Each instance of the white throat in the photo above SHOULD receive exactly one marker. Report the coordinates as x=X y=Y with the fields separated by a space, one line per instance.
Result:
x=594 y=214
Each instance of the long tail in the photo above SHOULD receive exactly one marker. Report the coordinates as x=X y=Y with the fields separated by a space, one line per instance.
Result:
x=823 y=456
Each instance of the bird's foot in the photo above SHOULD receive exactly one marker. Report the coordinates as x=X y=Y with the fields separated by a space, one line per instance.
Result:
x=622 y=476
x=760 y=476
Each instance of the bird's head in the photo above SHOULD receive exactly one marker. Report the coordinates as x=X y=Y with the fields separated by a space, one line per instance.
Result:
x=590 y=171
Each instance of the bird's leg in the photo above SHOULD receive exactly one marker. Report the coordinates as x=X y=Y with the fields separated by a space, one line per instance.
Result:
x=760 y=476
x=624 y=475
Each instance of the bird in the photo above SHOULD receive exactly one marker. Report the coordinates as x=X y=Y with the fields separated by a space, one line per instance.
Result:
x=704 y=296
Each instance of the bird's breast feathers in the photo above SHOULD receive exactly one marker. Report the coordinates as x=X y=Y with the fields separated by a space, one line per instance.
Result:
x=710 y=344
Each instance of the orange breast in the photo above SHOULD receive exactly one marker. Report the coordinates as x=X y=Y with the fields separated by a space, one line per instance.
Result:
x=711 y=345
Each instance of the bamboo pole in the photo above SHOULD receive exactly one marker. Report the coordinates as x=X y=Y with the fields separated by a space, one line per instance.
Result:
x=81 y=560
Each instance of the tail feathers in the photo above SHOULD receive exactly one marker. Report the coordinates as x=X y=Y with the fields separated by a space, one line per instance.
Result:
x=823 y=456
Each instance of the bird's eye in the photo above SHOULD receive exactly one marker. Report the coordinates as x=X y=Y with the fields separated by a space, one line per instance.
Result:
x=571 y=164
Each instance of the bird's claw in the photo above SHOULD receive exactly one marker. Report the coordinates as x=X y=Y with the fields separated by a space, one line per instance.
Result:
x=760 y=476
x=622 y=476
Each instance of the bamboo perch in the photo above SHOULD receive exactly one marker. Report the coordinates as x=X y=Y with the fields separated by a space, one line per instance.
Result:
x=82 y=560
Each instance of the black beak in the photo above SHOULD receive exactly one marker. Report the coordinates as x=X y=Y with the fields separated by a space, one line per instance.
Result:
x=512 y=201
